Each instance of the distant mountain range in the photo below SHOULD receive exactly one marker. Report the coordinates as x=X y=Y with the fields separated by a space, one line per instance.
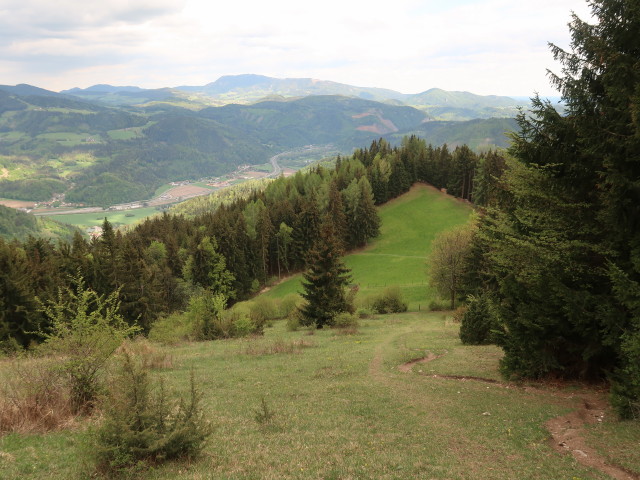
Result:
x=242 y=89
x=104 y=144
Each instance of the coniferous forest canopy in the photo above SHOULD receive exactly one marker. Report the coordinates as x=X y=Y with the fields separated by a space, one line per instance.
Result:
x=162 y=261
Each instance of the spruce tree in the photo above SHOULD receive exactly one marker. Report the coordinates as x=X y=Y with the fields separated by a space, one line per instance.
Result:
x=565 y=246
x=325 y=280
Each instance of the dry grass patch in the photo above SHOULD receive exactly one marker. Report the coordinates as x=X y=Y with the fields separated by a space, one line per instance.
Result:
x=148 y=354
x=34 y=396
x=277 y=346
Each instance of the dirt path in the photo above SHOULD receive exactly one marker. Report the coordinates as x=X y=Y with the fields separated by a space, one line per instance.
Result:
x=4 y=173
x=567 y=436
x=406 y=367
x=567 y=431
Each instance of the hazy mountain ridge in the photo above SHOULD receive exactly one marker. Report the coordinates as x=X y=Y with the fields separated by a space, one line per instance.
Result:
x=249 y=88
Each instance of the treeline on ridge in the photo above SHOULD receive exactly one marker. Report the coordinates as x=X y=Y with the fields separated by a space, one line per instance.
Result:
x=238 y=247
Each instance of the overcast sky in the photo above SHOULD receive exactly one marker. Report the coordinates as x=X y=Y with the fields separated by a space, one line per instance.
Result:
x=482 y=46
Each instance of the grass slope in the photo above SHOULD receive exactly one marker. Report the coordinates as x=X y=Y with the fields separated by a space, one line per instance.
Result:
x=116 y=218
x=398 y=255
x=343 y=410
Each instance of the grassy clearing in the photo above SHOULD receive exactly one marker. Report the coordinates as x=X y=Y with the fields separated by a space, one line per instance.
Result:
x=123 y=217
x=126 y=133
x=204 y=185
x=70 y=139
x=398 y=255
x=290 y=405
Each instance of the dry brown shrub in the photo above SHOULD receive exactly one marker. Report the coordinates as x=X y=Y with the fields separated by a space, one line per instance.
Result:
x=149 y=354
x=34 y=396
x=350 y=330
x=277 y=346
x=458 y=313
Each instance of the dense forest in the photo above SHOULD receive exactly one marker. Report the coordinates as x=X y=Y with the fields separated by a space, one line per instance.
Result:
x=161 y=262
x=557 y=263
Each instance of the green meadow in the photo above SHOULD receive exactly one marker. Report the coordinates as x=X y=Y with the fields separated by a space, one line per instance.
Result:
x=338 y=407
x=398 y=255
x=116 y=218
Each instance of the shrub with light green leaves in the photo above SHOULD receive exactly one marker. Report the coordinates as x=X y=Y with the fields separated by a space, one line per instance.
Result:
x=86 y=329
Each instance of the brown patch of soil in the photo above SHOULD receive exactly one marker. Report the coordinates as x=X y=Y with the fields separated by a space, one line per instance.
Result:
x=362 y=115
x=187 y=190
x=406 y=367
x=567 y=436
x=4 y=173
x=17 y=204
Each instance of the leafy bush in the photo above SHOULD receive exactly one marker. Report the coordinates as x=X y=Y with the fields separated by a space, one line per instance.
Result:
x=389 y=301
x=262 y=310
x=288 y=305
x=172 y=329
x=142 y=424
x=293 y=323
x=204 y=313
x=85 y=331
x=478 y=322
x=437 y=305
x=243 y=326
x=345 y=320
x=205 y=319
x=363 y=312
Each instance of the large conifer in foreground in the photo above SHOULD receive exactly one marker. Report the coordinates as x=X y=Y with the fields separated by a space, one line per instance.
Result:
x=325 y=279
x=564 y=248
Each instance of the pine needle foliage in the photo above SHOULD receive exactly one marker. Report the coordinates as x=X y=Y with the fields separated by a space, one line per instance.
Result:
x=143 y=425
x=325 y=280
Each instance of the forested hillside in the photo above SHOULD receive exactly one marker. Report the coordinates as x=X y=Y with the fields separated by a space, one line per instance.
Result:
x=97 y=155
x=236 y=248
x=15 y=224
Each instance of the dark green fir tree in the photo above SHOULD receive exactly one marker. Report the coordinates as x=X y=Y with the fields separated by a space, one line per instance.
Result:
x=325 y=280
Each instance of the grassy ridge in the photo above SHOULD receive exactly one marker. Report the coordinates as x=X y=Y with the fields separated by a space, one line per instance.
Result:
x=398 y=255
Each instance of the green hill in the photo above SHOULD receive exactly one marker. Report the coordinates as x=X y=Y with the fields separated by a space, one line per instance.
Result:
x=398 y=255
x=98 y=155
x=344 y=121
x=477 y=134
x=15 y=224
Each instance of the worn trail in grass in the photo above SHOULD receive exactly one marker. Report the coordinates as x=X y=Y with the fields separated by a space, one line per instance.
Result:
x=342 y=409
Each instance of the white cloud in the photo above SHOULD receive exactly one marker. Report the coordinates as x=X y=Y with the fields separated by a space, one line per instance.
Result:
x=484 y=46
